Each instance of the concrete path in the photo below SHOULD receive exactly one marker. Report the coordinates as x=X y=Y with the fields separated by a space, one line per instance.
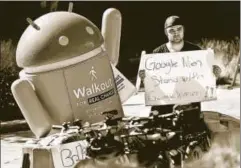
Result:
x=228 y=102
x=11 y=148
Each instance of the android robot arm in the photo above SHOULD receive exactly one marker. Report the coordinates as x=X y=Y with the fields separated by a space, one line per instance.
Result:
x=111 y=31
x=28 y=102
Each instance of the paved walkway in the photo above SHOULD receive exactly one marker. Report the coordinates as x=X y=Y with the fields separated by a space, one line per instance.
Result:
x=11 y=148
x=228 y=102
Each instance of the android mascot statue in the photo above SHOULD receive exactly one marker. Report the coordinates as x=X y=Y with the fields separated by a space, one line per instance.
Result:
x=67 y=74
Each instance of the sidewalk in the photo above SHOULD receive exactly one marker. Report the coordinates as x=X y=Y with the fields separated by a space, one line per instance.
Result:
x=11 y=148
x=13 y=126
x=228 y=103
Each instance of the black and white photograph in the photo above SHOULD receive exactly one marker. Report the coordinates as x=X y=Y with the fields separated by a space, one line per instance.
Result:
x=120 y=84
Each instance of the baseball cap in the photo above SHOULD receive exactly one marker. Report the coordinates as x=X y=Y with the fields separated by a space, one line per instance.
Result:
x=173 y=21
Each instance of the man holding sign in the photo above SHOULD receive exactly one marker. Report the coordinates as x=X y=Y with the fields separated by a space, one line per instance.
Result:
x=178 y=76
x=174 y=30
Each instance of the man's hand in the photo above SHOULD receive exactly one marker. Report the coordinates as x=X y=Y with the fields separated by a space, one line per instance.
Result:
x=217 y=71
x=142 y=74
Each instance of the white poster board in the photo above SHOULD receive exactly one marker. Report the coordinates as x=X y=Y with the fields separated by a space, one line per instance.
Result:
x=67 y=155
x=125 y=88
x=179 y=78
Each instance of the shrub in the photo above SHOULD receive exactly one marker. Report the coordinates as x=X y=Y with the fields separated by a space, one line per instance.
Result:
x=8 y=73
x=226 y=55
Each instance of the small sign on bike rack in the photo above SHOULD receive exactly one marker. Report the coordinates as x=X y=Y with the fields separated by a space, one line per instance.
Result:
x=67 y=155
x=125 y=88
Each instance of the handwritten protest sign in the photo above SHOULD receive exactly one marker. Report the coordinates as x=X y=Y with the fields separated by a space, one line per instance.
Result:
x=125 y=88
x=67 y=155
x=179 y=78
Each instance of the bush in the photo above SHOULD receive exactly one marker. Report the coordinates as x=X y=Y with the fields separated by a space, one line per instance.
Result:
x=7 y=59
x=226 y=55
x=8 y=73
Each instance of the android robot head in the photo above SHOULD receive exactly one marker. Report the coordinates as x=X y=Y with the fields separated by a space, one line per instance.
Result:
x=66 y=72
x=60 y=36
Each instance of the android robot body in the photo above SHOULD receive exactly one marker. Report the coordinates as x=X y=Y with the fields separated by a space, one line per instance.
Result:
x=66 y=73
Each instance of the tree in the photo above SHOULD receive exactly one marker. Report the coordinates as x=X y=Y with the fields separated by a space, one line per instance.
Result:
x=52 y=5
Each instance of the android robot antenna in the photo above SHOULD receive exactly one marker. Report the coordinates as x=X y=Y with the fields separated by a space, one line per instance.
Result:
x=70 y=9
x=33 y=24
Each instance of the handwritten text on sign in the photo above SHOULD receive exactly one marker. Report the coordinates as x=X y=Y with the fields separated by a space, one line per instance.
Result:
x=177 y=78
x=67 y=155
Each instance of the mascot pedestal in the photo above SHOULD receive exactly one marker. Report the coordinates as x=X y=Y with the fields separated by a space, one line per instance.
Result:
x=56 y=150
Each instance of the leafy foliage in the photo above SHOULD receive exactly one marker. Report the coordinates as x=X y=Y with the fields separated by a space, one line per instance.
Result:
x=8 y=73
x=227 y=54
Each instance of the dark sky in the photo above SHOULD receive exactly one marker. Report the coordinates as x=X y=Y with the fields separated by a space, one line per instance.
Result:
x=142 y=21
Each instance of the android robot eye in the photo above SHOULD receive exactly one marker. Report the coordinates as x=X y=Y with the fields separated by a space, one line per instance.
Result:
x=63 y=40
x=89 y=30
